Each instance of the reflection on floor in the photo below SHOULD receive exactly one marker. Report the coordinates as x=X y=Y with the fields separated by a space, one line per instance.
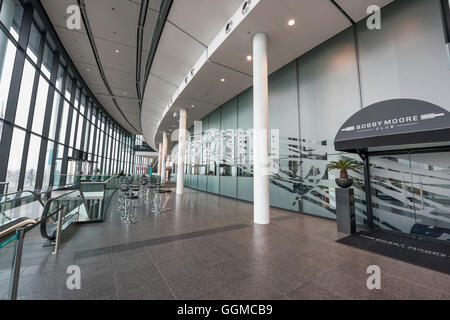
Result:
x=207 y=247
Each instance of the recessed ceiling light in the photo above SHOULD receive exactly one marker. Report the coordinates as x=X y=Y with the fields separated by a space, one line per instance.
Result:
x=117 y=50
x=222 y=80
x=249 y=58
x=192 y=106
x=87 y=69
x=174 y=114
x=291 y=22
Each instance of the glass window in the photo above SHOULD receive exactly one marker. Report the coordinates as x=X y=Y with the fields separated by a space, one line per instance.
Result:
x=1 y=130
x=58 y=165
x=60 y=77
x=91 y=139
x=34 y=43
x=79 y=131
x=26 y=88
x=32 y=162
x=55 y=112
x=63 y=126
x=77 y=98
x=68 y=93
x=48 y=164
x=15 y=158
x=89 y=110
x=7 y=57
x=100 y=143
x=47 y=61
x=72 y=130
x=86 y=135
x=83 y=102
x=11 y=13
x=39 y=108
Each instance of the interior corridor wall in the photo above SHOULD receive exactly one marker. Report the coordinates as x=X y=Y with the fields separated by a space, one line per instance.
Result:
x=407 y=58
x=311 y=97
x=329 y=95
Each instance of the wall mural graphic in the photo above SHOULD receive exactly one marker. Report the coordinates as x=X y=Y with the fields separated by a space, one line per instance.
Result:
x=419 y=206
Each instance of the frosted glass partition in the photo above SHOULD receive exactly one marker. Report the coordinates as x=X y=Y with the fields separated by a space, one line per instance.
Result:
x=228 y=167
x=213 y=148
x=283 y=123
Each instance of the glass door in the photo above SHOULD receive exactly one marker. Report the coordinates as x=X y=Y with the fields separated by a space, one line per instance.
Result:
x=430 y=175
x=393 y=200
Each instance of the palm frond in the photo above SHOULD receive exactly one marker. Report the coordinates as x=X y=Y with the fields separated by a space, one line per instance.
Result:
x=347 y=164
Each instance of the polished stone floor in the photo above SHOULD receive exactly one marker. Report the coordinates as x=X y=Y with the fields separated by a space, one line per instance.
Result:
x=206 y=247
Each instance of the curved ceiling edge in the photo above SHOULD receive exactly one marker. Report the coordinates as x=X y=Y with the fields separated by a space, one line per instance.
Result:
x=226 y=30
x=82 y=5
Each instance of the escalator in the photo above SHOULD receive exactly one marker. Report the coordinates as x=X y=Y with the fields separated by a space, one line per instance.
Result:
x=22 y=212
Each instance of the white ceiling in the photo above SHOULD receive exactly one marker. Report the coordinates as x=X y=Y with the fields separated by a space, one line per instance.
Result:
x=192 y=36
x=191 y=25
x=203 y=20
x=112 y=30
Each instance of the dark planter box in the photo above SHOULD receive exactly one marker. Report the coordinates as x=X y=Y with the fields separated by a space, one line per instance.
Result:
x=345 y=210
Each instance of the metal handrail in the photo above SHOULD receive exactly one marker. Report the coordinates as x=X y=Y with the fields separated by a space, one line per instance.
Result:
x=23 y=225
x=12 y=226
x=46 y=216
x=36 y=195
x=98 y=182
x=19 y=227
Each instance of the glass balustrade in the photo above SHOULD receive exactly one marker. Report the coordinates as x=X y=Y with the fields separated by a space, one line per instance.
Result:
x=7 y=246
x=20 y=204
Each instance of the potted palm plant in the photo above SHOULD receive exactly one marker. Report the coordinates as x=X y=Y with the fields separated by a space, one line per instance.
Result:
x=343 y=165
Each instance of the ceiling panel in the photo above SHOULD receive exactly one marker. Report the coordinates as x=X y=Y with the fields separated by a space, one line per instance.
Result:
x=131 y=110
x=285 y=43
x=125 y=82
x=357 y=9
x=124 y=60
x=150 y=24
x=106 y=101
x=203 y=18
x=77 y=43
x=176 y=54
x=109 y=24
x=57 y=12
x=158 y=91
x=114 y=25
x=154 y=4
x=209 y=88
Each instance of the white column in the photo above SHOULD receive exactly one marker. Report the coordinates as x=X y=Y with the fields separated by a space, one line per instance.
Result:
x=261 y=209
x=159 y=159
x=181 y=151
x=164 y=158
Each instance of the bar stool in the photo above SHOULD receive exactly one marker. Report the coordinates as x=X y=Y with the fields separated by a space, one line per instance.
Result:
x=161 y=200
x=143 y=185
x=130 y=209
x=149 y=194
x=122 y=198
x=135 y=190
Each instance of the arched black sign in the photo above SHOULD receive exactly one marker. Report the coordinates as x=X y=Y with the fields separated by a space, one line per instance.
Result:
x=393 y=123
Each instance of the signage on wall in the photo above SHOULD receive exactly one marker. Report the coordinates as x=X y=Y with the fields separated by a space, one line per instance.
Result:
x=394 y=122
